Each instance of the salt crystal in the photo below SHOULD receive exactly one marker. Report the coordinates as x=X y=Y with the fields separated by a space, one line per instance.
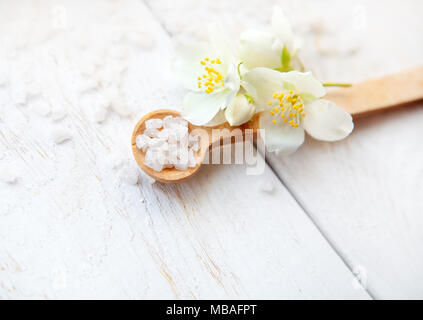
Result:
x=152 y=160
x=60 y=135
x=181 y=122
x=164 y=134
x=8 y=175
x=154 y=124
x=59 y=113
x=167 y=121
x=100 y=115
x=42 y=108
x=120 y=106
x=172 y=138
x=266 y=186
x=181 y=133
x=142 y=141
x=152 y=133
x=183 y=166
x=116 y=160
x=129 y=174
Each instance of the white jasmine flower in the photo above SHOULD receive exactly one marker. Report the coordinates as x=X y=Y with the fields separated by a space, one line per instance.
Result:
x=274 y=50
x=291 y=103
x=210 y=72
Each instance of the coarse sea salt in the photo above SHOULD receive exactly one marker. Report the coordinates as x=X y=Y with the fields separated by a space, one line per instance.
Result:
x=168 y=144
x=8 y=175
x=60 y=135
x=266 y=186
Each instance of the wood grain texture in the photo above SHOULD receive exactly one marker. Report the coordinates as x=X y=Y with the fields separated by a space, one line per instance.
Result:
x=70 y=227
x=363 y=192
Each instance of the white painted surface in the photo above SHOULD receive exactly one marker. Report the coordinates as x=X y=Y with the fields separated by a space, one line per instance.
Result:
x=74 y=226
x=364 y=193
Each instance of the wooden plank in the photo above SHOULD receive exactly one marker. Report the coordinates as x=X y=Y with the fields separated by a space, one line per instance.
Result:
x=71 y=228
x=362 y=192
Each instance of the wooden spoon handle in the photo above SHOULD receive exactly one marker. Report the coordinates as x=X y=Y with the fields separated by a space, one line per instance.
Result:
x=379 y=94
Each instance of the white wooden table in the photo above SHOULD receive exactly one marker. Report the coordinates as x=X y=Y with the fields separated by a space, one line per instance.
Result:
x=345 y=219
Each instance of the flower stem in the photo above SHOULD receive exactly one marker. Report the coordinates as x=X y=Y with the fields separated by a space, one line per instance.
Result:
x=337 y=84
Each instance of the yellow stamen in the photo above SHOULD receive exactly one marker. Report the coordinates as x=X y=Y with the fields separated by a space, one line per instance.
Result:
x=212 y=77
x=274 y=121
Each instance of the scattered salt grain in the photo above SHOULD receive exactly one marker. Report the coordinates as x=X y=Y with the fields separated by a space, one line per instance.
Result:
x=129 y=174
x=100 y=115
x=116 y=160
x=8 y=175
x=58 y=113
x=60 y=135
x=120 y=106
x=41 y=108
x=172 y=146
x=266 y=186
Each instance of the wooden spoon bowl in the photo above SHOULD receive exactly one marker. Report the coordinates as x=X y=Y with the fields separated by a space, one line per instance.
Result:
x=172 y=175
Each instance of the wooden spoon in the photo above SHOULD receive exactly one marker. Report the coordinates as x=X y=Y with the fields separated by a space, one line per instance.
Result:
x=361 y=98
